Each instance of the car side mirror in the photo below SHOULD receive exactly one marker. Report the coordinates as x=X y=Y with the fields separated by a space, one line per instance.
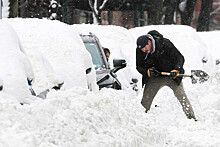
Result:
x=118 y=64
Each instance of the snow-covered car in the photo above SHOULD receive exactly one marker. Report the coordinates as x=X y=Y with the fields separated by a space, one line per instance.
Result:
x=57 y=54
x=16 y=72
x=105 y=76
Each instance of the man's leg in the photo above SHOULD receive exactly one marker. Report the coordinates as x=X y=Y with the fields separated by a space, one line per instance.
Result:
x=150 y=90
x=182 y=97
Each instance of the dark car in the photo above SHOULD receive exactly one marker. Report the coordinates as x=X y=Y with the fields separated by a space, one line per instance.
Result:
x=105 y=76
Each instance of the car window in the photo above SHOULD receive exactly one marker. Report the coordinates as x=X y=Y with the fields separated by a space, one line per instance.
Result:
x=95 y=53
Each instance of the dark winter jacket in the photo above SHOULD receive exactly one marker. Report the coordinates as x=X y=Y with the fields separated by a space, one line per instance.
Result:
x=165 y=58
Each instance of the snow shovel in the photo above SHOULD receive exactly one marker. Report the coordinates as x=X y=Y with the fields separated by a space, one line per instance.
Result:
x=197 y=76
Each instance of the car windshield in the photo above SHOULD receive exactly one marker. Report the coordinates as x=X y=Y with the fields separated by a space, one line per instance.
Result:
x=95 y=53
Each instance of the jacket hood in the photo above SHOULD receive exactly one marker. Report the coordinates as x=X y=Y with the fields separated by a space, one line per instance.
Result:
x=155 y=34
x=153 y=44
x=157 y=37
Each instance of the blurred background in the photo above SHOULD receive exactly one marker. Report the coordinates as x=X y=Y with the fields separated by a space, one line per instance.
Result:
x=203 y=15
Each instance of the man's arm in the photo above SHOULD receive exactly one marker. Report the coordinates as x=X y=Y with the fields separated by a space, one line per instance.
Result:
x=176 y=57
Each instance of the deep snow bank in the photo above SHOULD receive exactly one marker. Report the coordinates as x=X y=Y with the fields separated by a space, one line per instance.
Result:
x=15 y=67
x=77 y=117
x=57 y=53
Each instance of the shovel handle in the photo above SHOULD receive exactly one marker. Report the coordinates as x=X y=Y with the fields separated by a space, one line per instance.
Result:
x=178 y=75
x=165 y=73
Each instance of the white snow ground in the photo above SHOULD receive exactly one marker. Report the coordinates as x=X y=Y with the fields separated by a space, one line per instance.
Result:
x=75 y=116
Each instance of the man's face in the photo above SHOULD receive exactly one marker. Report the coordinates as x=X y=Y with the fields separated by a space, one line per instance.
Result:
x=147 y=48
x=107 y=55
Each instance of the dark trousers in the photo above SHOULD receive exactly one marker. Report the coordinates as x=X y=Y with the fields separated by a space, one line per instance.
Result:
x=154 y=84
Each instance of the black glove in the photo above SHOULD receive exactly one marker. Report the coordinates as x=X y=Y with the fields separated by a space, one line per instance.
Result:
x=152 y=72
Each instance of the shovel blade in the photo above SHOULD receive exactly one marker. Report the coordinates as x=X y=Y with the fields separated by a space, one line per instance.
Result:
x=199 y=76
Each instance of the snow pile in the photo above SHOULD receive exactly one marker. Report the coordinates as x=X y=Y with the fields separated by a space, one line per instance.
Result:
x=56 y=52
x=74 y=116
x=15 y=67
x=210 y=39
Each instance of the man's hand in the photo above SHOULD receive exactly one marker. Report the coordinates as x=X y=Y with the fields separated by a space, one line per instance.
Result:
x=174 y=74
x=152 y=72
